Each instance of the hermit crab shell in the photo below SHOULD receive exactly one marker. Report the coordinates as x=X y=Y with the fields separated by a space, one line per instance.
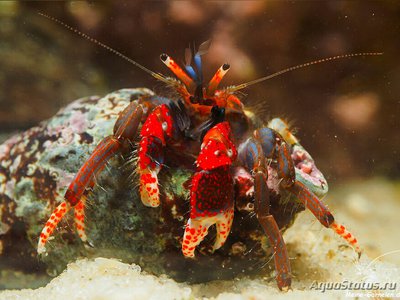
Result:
x=36 y=167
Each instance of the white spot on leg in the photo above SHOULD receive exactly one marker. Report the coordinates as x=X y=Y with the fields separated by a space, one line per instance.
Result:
x=195 y=232
x=79 y=212
x=149 y=191
x=224 y=225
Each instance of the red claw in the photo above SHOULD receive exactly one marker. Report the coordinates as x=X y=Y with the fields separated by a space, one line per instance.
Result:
x=155 y=132
x=212 y=192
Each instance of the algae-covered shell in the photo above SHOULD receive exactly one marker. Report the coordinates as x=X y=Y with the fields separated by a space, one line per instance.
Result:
x=36 y=166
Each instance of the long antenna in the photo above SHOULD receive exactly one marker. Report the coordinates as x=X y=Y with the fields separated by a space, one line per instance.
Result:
x=93 y=40
x=244 y=85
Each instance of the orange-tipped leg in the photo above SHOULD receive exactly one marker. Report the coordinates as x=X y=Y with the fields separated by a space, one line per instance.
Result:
x=79 y=215
x=125 y=129
x=342 y=231
x=75 y=194
x=321 y=212
x=51 y=224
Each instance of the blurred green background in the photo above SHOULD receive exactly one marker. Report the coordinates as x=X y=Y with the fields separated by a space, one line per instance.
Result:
x=346 y=112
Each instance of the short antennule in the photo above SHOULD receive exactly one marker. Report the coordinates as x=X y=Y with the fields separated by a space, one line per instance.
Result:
x=93 y=40
x=199 y=67
x=214 y=82
x=177 y=70
x=192 y=73
x=327 y=59
x=188 y=64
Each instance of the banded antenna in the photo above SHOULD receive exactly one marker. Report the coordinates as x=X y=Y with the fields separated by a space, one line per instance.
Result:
x=93 y=40
x=327 y=59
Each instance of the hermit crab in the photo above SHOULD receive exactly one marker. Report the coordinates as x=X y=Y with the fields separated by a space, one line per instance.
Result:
x=236 y=162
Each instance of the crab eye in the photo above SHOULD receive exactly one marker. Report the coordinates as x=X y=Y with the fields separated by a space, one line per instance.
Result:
x=164 y=57
x=218 y=113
